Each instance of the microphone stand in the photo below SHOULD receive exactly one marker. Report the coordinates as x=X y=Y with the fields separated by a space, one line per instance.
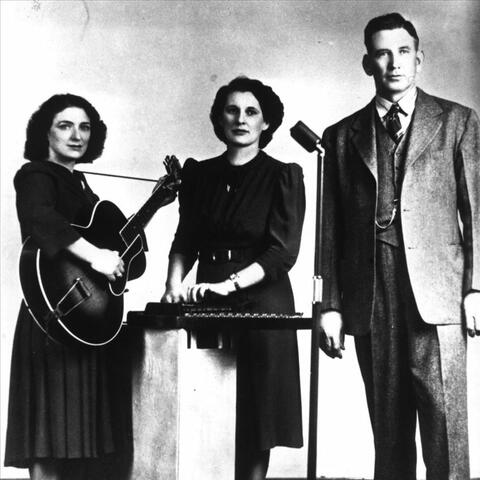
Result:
x=316 y=313
x=310 y=141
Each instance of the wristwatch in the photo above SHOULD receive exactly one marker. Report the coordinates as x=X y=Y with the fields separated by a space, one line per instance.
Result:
x=234 y=278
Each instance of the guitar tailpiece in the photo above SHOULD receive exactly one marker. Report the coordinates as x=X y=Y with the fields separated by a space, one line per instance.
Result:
x=78 y=286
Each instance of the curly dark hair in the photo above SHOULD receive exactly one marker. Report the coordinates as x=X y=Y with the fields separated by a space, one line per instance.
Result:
x=36 y=143
x=270 y=103
x=390 y=21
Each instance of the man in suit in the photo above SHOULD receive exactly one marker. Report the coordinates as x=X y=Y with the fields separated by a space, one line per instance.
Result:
x=401 y=271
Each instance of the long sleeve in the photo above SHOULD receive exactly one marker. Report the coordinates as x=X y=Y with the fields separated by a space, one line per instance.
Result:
x=185 y=241
x=38 y=213
x=468 y=193
x=331 y=251
x=285 y=223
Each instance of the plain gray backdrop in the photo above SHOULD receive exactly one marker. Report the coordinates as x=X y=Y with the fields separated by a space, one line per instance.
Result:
x=152 y=69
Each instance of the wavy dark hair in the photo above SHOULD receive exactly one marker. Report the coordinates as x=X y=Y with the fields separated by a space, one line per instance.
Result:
x=270 y=103
x=390 y=21
x=36 y=143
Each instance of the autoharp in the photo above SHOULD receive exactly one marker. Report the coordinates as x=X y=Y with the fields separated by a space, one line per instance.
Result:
x=191 y=316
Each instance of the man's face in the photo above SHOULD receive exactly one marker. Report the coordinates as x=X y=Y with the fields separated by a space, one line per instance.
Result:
x=393 y=61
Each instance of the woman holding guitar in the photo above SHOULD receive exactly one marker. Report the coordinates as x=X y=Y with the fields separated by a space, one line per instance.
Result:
x=241 y=216
x=65 y=415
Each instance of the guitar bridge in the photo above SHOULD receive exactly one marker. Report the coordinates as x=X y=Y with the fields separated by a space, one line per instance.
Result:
x=74 y=297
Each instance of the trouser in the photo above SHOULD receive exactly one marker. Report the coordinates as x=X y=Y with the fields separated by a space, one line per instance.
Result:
x=409 y=368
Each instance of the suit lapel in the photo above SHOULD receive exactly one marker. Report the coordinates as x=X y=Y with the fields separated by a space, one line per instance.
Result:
x=426 y=123
x=363 y=137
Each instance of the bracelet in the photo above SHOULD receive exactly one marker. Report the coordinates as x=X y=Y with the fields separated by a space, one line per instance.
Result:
x=234 y=278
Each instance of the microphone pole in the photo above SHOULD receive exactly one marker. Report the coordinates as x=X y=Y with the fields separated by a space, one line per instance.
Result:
x=311 y=142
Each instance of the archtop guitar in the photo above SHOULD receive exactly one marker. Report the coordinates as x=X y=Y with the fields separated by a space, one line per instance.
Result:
x=71 y=302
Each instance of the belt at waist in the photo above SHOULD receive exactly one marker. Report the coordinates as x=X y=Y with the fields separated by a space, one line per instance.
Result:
x=224 y=255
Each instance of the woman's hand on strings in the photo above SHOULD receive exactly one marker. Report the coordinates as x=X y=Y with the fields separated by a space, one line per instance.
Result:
x=176 y=294
x=109 y=263
x=198 y=292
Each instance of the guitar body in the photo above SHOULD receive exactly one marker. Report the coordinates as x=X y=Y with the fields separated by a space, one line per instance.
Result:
x=91 y=307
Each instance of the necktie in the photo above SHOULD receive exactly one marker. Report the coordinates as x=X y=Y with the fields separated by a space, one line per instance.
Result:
x=392 y=123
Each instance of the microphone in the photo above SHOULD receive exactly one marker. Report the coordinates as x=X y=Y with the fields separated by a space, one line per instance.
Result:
x=309 y=140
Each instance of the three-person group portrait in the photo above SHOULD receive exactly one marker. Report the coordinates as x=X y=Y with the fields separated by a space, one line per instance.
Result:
x=400 y=270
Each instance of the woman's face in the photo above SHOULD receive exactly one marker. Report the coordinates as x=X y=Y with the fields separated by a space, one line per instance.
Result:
x=242 y=119
x=69 y=135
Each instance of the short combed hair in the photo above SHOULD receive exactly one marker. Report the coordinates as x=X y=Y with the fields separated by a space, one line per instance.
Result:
x=390 y=21
x=270 y=103
x=36 y=144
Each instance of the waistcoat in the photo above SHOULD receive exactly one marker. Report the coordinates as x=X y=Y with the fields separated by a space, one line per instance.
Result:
x=390 y=163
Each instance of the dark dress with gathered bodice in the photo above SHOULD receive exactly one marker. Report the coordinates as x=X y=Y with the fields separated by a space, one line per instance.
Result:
x=65 y=403
x=256 y=209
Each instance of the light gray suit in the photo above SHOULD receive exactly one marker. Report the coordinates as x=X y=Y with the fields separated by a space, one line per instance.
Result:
x=441 y=183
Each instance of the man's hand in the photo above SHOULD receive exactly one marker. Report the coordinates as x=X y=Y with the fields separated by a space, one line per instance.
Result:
x=331 y=334
x=471 y=307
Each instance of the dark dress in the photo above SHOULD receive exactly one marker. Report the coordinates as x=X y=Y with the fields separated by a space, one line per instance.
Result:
x=257 y=211
x=65 y=403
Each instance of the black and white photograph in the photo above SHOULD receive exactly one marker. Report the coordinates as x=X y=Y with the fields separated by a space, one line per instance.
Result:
x=240 y=239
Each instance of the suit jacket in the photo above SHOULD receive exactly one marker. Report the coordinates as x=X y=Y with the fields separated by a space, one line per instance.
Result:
x=441 y=185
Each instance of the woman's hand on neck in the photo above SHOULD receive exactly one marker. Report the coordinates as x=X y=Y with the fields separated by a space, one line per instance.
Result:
x=240 y=155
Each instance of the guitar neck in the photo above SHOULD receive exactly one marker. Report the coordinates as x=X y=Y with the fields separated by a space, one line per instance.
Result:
x=164 y=193
x=146 y=212
x=137 y=222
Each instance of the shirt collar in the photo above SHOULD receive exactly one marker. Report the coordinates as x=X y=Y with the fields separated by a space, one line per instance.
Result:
x=406 y=103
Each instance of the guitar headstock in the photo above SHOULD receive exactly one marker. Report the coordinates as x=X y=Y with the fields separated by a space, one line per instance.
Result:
x=164 y=192
x=172 y=180
x=173 y=167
